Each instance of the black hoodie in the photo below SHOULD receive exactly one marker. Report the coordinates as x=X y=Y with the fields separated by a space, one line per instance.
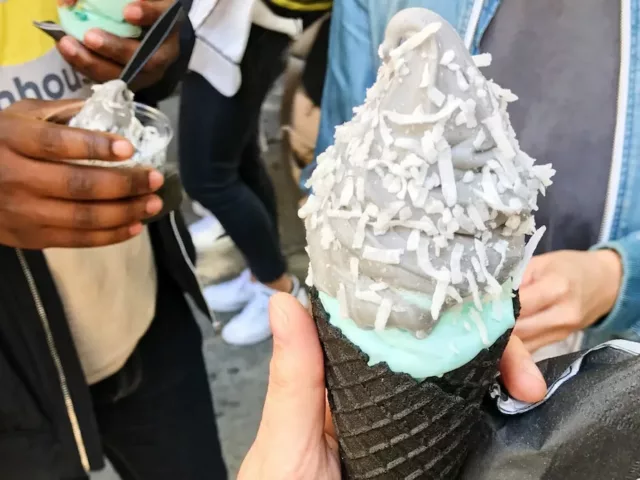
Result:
x=47 y=427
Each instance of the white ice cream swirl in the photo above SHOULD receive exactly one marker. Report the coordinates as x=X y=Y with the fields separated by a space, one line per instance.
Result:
x=425 y=198
x=111 y=109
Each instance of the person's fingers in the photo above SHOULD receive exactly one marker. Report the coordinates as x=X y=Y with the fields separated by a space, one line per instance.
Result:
x=165 y=56
x=86 y=62
x=520 y=374
x=145 y=14
x=86 y=215
x=541 y=294
x=108 y=54
x=59 y=111
x=120 y=50
x=71 y=238
x=72 y=182
x=544 y=323
x=294 y=409
x=112 y=47
x=50 y=141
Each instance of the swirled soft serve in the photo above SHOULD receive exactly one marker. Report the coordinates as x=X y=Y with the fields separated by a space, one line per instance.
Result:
x=417 y=224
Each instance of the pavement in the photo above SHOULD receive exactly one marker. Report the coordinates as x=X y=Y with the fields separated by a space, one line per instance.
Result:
x=238 y=376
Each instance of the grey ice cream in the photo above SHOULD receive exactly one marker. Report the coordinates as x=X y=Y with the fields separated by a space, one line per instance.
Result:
x=426 y=198
x=111 y=109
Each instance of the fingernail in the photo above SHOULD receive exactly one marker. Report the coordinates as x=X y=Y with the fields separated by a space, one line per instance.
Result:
x=154 y=205
x=93 y=39
x=122 y=149
x=156 y=179
x=136 y=229
x=68 y=46
x=133 y=12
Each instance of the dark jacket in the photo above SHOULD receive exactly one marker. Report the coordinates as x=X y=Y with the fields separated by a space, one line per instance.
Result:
x=47 y=427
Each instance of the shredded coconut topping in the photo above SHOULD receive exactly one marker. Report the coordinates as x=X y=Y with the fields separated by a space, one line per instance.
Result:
x=111 y=109
x=425 y=192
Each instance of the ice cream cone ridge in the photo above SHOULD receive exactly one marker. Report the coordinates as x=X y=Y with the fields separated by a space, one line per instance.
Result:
x=392 y=426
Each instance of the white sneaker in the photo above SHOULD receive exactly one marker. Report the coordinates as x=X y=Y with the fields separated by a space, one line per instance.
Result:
x=251 y=326
x=231 y=296
x=205 y=232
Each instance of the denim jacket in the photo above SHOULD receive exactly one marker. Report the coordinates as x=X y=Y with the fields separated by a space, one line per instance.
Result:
x=358 y=28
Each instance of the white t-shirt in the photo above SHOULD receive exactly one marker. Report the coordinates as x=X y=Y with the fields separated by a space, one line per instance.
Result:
x=109 y=293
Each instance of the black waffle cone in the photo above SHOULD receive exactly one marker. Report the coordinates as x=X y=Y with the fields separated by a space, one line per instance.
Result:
x=391 y=426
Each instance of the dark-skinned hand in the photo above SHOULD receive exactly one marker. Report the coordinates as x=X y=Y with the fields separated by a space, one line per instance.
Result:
x=102 y=56
x=45 y=201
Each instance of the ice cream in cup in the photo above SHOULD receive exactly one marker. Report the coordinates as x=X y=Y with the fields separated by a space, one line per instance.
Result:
x=111 y=109
x=107 y=15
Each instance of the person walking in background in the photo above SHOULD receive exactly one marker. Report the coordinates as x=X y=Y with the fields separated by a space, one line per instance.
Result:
x=573 y=66
x=234 y=65
x=99 y=350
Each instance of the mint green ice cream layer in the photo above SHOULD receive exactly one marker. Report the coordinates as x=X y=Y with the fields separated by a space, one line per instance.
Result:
x=76 y=21
x=459 y=335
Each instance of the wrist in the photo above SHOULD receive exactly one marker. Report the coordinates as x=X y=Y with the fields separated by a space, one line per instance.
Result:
x=610 y=273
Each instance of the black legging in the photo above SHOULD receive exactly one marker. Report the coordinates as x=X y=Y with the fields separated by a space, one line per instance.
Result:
x=221 y=164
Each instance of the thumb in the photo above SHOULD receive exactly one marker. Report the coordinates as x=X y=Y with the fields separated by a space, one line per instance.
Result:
x=294 y=409
x=520 y=374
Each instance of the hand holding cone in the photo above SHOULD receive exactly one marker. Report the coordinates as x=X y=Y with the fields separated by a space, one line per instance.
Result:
x=296 y=439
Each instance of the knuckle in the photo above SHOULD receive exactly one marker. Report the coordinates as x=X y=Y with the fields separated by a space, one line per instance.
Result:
x=80 y=184
x=132 y=212
x=84 y=216
x=48 y=139
x=15 y=204
x=123 y=184
x=93 y=145
x=5 y=168
x=135 y=182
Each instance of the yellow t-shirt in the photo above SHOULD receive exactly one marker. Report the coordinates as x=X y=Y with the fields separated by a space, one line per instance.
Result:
x=108 y=293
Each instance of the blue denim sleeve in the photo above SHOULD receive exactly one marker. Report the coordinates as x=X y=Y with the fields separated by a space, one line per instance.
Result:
x=350 y=69
x=626 y=312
